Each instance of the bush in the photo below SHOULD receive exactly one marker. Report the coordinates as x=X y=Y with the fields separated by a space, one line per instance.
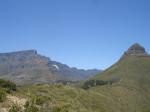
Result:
x=31 y=108
x=2 y=95
x=38 y=103
x=40 y=100
x=9 y=86
x=27 y=104
x=93 y=83
x=14 y=109
x=30 y=105
x=60 y=109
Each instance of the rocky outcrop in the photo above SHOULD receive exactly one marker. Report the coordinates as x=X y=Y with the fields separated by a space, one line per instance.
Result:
x=135 y=50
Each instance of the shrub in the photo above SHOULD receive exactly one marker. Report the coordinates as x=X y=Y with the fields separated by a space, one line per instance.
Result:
x=31 y=108
x=93 y=83
x=60 y=109
x=27 y=104
x=40 y=100
x=14 y=108
x=2 y=95
x=30 y=105
x=9 y=86
x=36 y=106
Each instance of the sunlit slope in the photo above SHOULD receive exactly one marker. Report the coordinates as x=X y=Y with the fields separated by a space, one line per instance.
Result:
x=130 y=87
x=130 y=71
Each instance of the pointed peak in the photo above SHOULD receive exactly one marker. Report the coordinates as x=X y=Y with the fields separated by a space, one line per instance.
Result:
x=136 y=50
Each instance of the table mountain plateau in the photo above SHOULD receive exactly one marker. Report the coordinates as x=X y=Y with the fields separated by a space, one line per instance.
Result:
x=24 y=67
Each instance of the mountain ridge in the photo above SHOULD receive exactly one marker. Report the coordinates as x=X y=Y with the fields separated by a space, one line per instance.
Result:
x=28 y=66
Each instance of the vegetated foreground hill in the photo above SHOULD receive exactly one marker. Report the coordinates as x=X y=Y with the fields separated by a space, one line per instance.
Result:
x=26 y=67
x=52 y=98
x=126 y=84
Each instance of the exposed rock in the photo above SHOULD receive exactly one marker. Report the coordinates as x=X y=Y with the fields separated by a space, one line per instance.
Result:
x=136 y=50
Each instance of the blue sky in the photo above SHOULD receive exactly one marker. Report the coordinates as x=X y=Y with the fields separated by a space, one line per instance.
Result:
x=81 y=33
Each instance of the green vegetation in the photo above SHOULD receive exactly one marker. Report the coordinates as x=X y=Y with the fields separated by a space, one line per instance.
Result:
x=9 y=86
x=14 y=108
x=36 y=103
x=2 y=95
x=32 y=108
x=6 y=87
x=130 y=92
x=60 y=98
x=93 y=83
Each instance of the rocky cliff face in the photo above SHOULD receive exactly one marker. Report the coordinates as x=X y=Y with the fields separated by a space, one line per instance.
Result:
x=28 y=66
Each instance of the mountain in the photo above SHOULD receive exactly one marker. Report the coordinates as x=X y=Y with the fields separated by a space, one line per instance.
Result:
x=125 y=86
x=71 y=73
x=24 y=67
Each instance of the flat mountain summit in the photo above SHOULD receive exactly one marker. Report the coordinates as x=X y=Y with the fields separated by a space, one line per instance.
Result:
x=24 y=67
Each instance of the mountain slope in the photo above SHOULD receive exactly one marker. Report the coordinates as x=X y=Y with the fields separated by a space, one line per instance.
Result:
x=130 y=82
x=24 y=67
x=71 y=73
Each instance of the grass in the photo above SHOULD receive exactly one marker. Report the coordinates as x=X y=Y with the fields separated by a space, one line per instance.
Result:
x=62 y=98
x=130 y=92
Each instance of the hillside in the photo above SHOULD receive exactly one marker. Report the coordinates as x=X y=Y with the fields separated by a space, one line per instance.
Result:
x=24 y=67
x=130 y=81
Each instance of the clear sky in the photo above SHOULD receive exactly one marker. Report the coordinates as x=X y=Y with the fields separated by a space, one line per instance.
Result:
x=80 y=33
